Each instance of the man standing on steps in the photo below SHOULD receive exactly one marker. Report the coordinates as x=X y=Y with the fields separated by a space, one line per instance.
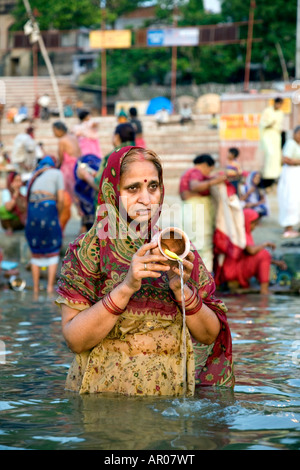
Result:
x=25 y=152
x=44 y=102
x=270 y=129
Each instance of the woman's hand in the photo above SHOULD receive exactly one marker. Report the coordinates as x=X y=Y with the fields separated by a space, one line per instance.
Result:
x=217 y=179
x=144 y=264
x=174 y=273
x=281 y=264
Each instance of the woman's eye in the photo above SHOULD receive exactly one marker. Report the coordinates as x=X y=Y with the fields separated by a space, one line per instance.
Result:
x=132 y=188
x=153 y=186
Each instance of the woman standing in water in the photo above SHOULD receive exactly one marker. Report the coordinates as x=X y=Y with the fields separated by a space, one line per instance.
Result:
x=43 y=230
x=121 y=300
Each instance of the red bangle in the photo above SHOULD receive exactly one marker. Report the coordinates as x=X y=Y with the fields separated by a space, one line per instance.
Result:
x=196 y=308
x=111 y=306
x=189 y=300
x=192 y=298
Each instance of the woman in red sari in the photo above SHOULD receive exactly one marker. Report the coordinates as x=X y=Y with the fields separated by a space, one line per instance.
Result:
x=240 y=265
x=121 y=302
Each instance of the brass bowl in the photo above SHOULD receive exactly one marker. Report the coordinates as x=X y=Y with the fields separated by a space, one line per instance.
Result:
x=175 y=240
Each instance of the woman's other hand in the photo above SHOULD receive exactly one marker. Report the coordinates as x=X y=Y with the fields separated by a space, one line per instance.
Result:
x=174 y=273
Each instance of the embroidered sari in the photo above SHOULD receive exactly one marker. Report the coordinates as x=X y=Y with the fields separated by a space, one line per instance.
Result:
x=143 y=354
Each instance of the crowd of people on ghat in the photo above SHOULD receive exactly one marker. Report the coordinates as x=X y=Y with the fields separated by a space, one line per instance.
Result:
x=121 y=299
x=228 y=199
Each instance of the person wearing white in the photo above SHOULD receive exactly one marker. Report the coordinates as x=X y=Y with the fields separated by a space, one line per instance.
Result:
x=289 y=187
x=162 y=116
x=25 y=152
x=44 y=102
x=270 y=129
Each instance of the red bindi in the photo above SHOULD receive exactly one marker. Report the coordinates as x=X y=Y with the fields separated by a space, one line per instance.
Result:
x=145 y=181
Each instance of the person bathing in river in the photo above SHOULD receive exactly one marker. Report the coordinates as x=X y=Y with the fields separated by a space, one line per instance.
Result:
x=121 y=299
x=240 y=265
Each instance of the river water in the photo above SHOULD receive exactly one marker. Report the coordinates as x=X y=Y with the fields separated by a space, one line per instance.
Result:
x=263 y=411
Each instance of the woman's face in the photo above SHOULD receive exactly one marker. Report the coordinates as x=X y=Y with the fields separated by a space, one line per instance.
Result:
x=256 y=179
x=206 y=169
x=17 y=182
x=140 y=190
x=297 y=137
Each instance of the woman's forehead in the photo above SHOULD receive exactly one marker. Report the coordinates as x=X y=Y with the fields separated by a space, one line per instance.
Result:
x=140 y=170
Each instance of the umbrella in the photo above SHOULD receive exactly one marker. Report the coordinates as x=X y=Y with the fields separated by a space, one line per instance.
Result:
x=160 y=102
x=186 y=99
x=208 y=104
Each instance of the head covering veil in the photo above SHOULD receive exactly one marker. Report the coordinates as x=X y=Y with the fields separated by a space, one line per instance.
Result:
x=250 y=216
x=20 y=207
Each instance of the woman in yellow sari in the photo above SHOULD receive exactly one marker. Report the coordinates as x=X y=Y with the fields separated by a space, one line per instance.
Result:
x=121 y=300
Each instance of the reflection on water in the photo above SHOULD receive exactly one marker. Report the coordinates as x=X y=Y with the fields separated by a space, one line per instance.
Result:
x=263 y=411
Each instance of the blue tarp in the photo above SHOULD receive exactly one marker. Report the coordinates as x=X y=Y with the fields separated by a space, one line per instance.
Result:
x=158 y=103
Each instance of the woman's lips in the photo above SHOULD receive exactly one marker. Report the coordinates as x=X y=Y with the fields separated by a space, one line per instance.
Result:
x=143 y=211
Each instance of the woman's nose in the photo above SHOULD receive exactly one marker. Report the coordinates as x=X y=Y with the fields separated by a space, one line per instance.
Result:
x=144 y=197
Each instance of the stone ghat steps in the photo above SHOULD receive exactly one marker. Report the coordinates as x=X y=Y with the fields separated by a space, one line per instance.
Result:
x=177 y=145
x=24 y=89
x=174 y=138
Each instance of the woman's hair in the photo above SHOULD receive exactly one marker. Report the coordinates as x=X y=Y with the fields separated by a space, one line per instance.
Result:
x=83 y=113
x=278 y=100
x=60 y=126
x=138 y=154
x=235 y=152
x=296 y=130
x=133 y=112
x=204 y=158
x=126 y=132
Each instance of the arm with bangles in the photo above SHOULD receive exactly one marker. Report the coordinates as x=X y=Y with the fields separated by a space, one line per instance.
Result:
x=84 y=329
